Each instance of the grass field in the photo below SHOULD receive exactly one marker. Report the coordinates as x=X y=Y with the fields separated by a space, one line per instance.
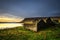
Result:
x=20 y=33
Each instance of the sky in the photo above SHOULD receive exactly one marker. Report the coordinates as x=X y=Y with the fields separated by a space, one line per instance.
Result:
x=30 y=8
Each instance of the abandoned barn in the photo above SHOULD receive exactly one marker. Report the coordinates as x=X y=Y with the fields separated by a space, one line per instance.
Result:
x=37 y=23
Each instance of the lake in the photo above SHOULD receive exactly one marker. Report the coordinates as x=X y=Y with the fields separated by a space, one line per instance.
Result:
x=10 y=25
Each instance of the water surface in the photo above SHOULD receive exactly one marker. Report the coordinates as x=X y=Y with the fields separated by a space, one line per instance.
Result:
x=10 y=25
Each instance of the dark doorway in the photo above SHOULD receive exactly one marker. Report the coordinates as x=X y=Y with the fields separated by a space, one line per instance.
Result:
x=41 y=25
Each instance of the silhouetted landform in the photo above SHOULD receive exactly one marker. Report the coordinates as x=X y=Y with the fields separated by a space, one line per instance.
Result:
x=10 y=22
x=39 y=23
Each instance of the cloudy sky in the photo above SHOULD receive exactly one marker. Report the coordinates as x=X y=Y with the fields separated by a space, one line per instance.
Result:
x=30 y=8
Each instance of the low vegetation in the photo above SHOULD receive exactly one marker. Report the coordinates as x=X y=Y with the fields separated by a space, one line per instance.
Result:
x=20 y=33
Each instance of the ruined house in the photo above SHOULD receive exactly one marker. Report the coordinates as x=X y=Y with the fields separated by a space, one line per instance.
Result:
x=34 y=24
x=56 y=19
x=50 y=22
x=38 y=23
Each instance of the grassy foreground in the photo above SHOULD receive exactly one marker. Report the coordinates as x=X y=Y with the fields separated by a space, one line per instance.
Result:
x=20 y=33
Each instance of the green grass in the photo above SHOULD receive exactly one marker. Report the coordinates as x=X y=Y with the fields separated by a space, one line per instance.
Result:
x=20 y=33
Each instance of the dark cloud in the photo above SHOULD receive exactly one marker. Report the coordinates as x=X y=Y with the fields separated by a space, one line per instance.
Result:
x=29 y=8
x=56 y=13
